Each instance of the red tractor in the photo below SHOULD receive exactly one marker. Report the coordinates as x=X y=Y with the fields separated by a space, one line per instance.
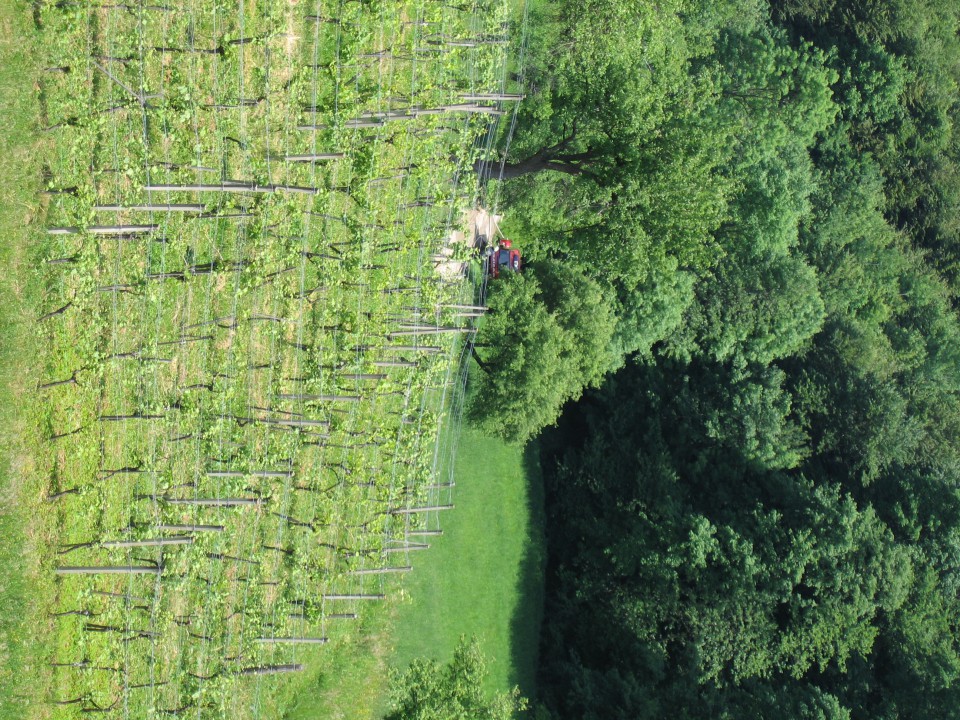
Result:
x=501 y=258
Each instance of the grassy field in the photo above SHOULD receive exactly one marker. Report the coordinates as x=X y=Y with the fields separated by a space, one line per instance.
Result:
x=240 y=323
x=24 y=527
x=483 y=577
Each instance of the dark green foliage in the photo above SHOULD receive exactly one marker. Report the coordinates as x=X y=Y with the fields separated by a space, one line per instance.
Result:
x=899 y=70
x=758 y=515
x=704 y=578
x=754 y=312
x=549 y=334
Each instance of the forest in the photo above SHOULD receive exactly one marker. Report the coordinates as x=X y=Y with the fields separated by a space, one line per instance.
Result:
x=737 y=341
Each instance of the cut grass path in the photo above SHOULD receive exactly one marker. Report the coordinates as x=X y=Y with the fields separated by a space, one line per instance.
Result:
x=23 y=526
x=484 y=576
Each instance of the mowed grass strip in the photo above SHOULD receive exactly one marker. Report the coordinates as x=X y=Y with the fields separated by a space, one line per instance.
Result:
x=484 y=576
x=352 y=677
x=24 y=590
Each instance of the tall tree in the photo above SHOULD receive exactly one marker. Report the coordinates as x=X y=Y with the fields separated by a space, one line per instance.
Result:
x=548 y=335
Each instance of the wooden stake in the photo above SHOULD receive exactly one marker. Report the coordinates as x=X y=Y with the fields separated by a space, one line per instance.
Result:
x=214 y=502
x=251 y=473
x=488 y=97
x=320 y=398
x=353 y=597
x=270 y=669
x=155 y=542
x=412 y=511
x=191 y=528
x=226 y=186
x=104 y=230
x=152 y=207
x=313 y=157
x=427 y=331
x=405 y=548
x=415 y=348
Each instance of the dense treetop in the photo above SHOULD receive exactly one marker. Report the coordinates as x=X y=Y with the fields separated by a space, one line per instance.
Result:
x=743 y=226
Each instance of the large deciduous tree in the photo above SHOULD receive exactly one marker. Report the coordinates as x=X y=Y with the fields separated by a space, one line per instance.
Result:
x=548 y=335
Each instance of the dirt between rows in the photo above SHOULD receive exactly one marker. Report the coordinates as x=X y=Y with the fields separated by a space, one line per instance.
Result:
x=475 y=223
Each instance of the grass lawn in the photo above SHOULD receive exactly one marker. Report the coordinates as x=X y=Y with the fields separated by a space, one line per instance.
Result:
x=350 y=677
x=484 y=576
x=23 y=594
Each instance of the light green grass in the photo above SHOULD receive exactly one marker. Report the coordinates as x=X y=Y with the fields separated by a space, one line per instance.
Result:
x=483 y=577
x=23 y=592
x=352 y=678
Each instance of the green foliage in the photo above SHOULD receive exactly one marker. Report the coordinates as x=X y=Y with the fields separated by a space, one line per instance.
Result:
x=529 y=370
x=549 y=334
x=428 y=690
x=624 y=140
x=653 y=311
x=755 y=312
x=750 y=413
x=758 y=514
x=700 y=564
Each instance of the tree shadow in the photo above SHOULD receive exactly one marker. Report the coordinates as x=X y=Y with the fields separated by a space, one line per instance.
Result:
x=528 y=613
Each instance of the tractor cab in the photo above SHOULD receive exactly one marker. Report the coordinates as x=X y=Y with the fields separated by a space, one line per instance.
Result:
x=503 y=258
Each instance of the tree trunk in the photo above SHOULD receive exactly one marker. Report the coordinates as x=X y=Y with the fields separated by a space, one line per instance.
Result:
x=543 y=160
x=483 y=365
x=72 y=380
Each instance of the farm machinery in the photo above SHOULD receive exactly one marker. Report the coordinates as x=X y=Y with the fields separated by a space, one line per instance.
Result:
x=499 y=257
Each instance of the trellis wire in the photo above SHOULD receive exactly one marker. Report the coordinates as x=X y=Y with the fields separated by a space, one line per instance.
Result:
x=137 y=435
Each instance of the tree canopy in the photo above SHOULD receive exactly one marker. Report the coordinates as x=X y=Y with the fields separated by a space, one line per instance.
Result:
x=548 y=334
x=741 y=313
x=428 y=690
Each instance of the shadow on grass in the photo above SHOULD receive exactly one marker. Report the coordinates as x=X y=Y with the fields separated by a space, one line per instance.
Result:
x=528 y=614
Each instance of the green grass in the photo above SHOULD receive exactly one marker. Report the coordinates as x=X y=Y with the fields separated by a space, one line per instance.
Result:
x=23 y=590
x=484 y=576
x=348 y=675
x=352 y=678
